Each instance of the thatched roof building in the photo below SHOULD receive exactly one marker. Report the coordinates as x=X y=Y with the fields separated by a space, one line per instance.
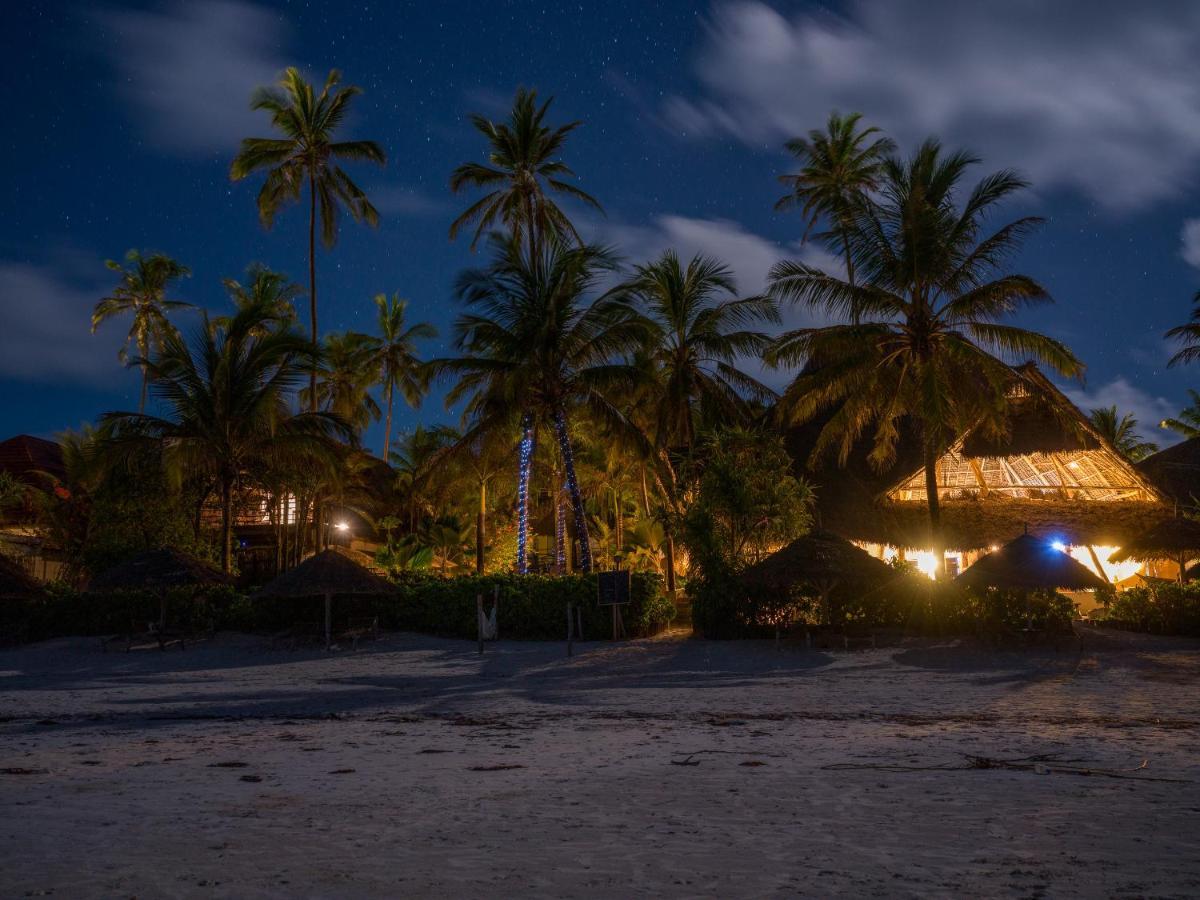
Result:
x=1028 y=563
x=1052 y=474
x=333 y=572
x=816 y=558
x=159 y=570
x=1175 y=471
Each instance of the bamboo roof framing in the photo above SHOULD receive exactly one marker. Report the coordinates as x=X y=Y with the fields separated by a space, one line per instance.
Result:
x=1097 y=475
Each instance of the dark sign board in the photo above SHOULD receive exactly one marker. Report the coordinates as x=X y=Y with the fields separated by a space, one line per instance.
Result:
x=614 y=588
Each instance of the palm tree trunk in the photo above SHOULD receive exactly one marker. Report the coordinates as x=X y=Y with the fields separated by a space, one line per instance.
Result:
x=564 y=444
x=526 y=459
x=854 y=317
x=387 y=432
x=935 y=509
x=671 y=563
x=312 y=282
x=560 y=526
x=480 y=527
x=145 y=382
x=645 y=492
x=226 y=526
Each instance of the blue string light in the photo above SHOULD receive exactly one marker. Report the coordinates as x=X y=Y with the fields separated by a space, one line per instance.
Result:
x=526 y=455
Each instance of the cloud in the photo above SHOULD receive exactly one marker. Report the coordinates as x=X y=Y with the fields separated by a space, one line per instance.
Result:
x=1148 y=409
x=404 y=200
x=189 y=69
x=1189 y=238
x=46 y=320
x=1095 y=95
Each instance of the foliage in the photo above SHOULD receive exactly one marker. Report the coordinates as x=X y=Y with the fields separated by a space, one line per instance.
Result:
x=701 y=331
x=227 y=410
x=1159 y=609
x=747 y=502
x=393 y=356
x=923 y=340
x=142 y=294
x=524 y=167
x=531 y=607
x=1187 y=423
x=1122 y=433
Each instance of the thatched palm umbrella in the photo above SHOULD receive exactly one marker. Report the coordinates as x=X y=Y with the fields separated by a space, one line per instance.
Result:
x=16 y=583
x=333 y=572
x=1027 y=564
x=159 y=571
x=1177 y=539
x=821 y=559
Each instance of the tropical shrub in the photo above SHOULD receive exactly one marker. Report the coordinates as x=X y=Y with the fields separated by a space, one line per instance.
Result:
x=1158 y=609
x=531 y=607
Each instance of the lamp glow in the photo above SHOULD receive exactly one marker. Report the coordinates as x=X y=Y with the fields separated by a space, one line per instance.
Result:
x=342 y=526
x=1059 y=546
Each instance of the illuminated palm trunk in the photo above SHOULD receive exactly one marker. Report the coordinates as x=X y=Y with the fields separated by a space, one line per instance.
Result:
x=526 y=459
x=581 y=532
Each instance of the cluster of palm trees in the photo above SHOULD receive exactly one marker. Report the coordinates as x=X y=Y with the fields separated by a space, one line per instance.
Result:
x=602 y=379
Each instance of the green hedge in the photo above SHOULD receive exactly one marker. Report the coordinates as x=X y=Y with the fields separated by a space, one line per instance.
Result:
x=531 y=607
x=1161 y=609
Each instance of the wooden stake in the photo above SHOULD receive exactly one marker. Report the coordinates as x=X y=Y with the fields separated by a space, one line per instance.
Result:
x=328 y=621
x=496 y=606
x=479 y=620
x=570 y=636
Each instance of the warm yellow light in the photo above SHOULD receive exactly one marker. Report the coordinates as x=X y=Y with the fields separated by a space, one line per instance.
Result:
x=1109 y=571
x=926 y=562
x=342 y=526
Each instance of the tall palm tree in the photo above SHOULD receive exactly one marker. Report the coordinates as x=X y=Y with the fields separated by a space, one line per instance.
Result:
x=416 y=461
x=1122 y=433
x=1187 y=423
x=227 y=397
x=345 y=376
x=308 y=154
x=522 y=170
x=533 y=346
x=702 y=331
x=394 y=357
x=142 y=294
x=271 y=292
x=481 y=457
x=839 y=167
x=924 y=338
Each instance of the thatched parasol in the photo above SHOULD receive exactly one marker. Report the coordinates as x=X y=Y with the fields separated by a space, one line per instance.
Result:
x=819 y=556
x=16 y=583
x=1030 y=563
x=330 y=573
x=1177 y=539
x=159 y=571
x=820 y=559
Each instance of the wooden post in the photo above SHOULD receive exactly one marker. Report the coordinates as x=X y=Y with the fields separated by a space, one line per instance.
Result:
x=479 y=620
x=614 y=609
x=579 y=622
x=570 y=636
x=496 y=607
x=328 y=620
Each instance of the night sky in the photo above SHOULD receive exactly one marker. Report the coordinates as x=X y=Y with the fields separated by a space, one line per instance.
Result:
x=121 y=120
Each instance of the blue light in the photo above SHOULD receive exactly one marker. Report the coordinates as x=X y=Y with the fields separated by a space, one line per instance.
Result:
x=1059 y=546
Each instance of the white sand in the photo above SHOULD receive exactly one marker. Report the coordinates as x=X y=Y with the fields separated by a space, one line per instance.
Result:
x=130 y=803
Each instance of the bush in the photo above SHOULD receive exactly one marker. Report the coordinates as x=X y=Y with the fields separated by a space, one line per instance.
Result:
x=531 y=607
x=1158 y=609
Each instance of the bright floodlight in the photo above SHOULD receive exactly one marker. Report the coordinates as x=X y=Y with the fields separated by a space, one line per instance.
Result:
x=1059 y=546
x=342 y=526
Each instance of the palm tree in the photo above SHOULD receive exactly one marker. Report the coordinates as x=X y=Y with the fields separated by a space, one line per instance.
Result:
x=345 y=375
x=271 y=292
x=534 y=347
x=416 y=461
x=142 y=293
x=308 y=154
x=1188 y=421
x=1188 y=335
x=481 y=458
x=394 y=357
x=1121 y=432
x=701 y=332
x=838 y=168
x=227 y=398
x=932 y=293
x=522 y=168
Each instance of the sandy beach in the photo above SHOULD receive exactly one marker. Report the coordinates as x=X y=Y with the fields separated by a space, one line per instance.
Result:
x=677 y=767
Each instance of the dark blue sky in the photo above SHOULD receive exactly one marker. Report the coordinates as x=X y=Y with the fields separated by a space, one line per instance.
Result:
x=121 y=121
